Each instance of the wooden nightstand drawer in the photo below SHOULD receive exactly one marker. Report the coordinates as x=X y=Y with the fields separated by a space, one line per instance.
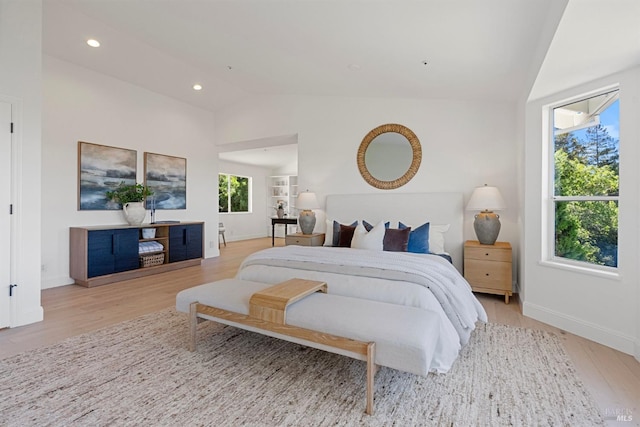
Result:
x=488 y=254
x=300 y=239
x=495 y=275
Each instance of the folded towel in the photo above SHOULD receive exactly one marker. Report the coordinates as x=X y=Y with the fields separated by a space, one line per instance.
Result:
x=150 y=247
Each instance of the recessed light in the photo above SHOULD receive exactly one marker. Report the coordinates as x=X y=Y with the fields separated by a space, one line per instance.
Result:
x=93 y=43
x=197 y=86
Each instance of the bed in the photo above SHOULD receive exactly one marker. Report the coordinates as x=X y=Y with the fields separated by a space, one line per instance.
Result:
x=425 y=281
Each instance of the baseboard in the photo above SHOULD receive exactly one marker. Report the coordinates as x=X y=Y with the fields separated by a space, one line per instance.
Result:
x=243 y=237
x=637 y=354
x=54 y=282
x=605 y=336
x=26 y=317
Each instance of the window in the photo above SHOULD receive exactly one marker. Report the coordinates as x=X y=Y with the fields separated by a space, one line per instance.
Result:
x=234 y=193
x=585 y=178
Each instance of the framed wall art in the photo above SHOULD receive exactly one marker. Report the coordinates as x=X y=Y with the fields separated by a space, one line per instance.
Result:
x=166 y=176
x=102 y=168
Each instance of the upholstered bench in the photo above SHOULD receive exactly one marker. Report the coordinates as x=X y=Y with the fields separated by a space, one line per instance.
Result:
x=391 y=335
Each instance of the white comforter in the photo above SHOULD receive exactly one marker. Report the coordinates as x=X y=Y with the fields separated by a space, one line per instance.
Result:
x=423 y=281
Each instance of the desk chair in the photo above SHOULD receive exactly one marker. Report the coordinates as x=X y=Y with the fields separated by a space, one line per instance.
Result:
x=221 y=231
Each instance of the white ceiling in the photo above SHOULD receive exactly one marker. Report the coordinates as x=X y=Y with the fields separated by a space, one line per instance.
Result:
x=595 y=38
x=272 y=158
x=238 y=49
x=244 y=48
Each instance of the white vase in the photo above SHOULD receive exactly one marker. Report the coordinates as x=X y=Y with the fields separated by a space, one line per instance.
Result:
x=134 y=212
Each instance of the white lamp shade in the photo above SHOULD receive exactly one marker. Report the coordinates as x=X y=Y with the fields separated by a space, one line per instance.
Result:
x=486 y=199
x=306 y=201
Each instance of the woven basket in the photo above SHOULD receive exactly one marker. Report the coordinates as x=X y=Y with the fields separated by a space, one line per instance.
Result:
x=151 y=260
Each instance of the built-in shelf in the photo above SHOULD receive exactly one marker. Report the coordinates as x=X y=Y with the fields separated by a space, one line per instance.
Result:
x=282 y=189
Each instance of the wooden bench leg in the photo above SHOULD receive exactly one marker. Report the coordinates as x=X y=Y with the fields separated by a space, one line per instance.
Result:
x=371 y=373
x=358 y=347
x=193 y=325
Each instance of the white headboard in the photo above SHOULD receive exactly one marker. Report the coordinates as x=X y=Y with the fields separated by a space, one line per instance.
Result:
x=411 y=208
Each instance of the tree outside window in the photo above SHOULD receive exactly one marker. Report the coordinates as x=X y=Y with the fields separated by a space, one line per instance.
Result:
x=233 y=193
x=586 y=180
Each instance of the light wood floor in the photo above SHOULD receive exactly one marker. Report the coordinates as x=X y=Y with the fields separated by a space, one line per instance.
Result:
x=613 y=378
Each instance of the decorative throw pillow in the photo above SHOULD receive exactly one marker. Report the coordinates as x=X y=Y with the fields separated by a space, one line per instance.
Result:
x=345 y=235
x=368 y=226
x=370 y=240
x=436 y=238
x=396 y=240
x=328 y=233
x=336 y=233
x=418 y=238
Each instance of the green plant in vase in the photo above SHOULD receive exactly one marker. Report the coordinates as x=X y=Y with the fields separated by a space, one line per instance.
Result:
x=127 y=193
x=131 y=197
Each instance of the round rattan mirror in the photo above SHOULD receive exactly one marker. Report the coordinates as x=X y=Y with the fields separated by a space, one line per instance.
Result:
x=389 y=156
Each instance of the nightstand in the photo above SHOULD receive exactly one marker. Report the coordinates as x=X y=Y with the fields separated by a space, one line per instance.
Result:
x=487 y=268
x=315 y=239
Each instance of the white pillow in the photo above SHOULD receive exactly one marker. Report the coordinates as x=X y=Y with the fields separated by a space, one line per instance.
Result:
x=328 y=234
x=436 y=238
x=371 y=240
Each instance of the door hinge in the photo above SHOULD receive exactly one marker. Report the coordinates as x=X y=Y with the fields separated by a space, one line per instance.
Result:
x=11 y=127
x=11 y=209
x=11 y=289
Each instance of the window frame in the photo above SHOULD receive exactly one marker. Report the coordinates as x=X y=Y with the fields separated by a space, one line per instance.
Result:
x=549 y=258
x=249 y=194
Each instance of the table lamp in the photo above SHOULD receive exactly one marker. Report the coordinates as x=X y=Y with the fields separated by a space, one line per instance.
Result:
x=487 y=224
x=307 y=218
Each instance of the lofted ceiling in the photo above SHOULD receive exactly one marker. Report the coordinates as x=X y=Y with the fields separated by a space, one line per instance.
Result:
x=358 y=48
x=594 y=38
x=242 y=49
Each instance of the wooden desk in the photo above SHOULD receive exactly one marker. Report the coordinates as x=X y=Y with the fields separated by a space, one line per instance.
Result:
x=285 y=221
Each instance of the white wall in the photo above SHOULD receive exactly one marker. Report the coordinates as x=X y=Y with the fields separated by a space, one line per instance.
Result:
x=82 y=105
x=21 y=85
x=465 y=144
x=605 y=310
x=241 y=226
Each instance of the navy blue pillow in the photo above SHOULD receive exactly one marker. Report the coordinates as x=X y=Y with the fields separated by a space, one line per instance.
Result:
x=445 y=256
x=368 y=226
x=418 y=239
x=336 y=232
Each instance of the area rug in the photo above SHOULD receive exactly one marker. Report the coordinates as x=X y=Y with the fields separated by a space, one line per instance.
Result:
x=140 y=373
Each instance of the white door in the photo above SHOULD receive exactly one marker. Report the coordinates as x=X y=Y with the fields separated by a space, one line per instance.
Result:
x=5 y=216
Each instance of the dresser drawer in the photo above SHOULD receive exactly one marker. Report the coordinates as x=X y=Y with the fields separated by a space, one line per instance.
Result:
x=487 y=254
x=496 y=275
